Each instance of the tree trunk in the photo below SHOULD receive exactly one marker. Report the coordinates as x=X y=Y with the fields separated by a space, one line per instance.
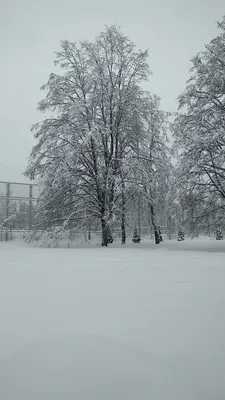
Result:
x=104 y=232
x=123 y=225
x=139 y=215
x=123 y=229
x=169 y=228
x=156 y=233
x=89 y=229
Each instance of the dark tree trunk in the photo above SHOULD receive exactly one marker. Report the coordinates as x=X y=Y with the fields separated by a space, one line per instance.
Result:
x=155 y=228
x=123 y=230
x=160 y=234
x=104 y=232
x=157 y=239
x=89 y=230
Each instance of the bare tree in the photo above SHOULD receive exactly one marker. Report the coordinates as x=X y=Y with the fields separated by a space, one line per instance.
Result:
x=79 y=151
x=199 y=130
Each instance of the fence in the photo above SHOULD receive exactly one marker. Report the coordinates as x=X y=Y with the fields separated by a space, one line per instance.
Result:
x=17 y=203
x=17 y=210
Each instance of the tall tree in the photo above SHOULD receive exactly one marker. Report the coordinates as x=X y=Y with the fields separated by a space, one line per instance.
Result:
x=200 y=125
x=80 y=149
x=152 y=167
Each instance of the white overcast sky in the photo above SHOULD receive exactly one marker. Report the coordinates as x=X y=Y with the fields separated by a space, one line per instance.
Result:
x=31 y=30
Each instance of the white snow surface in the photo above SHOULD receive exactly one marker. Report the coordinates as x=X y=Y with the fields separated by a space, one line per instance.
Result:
x=133 y=322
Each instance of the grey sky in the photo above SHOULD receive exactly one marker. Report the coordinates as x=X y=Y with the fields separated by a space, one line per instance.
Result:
x=30 y=31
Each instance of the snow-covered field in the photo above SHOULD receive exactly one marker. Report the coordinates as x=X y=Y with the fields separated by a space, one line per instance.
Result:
x=134 y=322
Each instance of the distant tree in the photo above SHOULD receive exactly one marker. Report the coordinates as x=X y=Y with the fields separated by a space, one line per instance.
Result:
x=136 y=238
x=180 y=236
x=153 y=167
x=160 y=234
x=219 y=235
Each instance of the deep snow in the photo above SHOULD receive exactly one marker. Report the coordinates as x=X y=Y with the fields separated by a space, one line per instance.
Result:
x=135 y=322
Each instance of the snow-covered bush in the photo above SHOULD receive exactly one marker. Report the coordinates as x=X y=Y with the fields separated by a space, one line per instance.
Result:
x=136 y=238
x=219 y=234
x=180 y=236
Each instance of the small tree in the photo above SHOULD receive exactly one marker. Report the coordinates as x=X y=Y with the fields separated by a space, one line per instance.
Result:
x=219 y=235
x=136 y=238
x=160 y=234
x=180 y=236
x=110 y=238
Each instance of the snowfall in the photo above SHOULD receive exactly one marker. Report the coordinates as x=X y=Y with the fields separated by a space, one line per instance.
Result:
x=125 y=322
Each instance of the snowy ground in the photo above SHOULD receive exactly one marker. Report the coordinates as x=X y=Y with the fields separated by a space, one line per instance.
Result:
x=136 y=322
